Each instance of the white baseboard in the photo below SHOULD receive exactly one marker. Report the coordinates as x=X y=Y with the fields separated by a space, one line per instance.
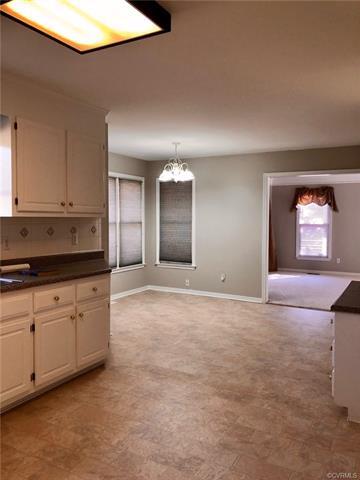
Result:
x=126 y=293
x=322 y=272
x=201 y=293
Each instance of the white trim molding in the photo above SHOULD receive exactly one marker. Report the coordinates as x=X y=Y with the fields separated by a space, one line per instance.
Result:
x=128 y=269
x=320 y=272
x=179 y=266
x=126 y=293
x=200 y=293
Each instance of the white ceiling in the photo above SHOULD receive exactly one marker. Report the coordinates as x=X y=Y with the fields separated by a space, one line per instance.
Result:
x=231 y=77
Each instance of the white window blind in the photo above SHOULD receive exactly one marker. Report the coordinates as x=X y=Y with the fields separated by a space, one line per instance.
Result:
x=125 y=222
x=175 y=222
x=313 y=232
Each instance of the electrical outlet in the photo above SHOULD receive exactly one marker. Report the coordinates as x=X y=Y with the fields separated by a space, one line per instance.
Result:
x=223 y=277
x=338 y=260
x=75 y=238
x=187 y=283
x=6 y=243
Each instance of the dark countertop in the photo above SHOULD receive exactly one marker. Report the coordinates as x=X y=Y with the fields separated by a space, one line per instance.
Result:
x=349 y=301
x=65 y=267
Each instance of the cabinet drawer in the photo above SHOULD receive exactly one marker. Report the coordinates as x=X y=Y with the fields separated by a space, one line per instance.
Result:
x=92 y=290
x=54 y=297
x=15 y=306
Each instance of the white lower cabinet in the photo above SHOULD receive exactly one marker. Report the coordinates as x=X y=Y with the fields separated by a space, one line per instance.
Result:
x=61 y=339
x=346 y=374
x=54 y=345
x=16 y=347
x=92 y=332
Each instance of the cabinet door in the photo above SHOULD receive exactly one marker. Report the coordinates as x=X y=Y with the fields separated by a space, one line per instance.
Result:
x=41 y=167
x=92 y=332
x=16 y=352
x=86 y=174
x=54 y=345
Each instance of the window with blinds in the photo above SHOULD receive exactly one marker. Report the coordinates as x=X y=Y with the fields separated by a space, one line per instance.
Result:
x=175 y=210
x=126 y=216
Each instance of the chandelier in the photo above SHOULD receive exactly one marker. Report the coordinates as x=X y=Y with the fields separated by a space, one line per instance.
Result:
x=176 y=170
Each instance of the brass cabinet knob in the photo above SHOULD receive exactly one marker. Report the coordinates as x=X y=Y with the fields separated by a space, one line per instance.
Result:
x=56 y=298
x=72 y=317
x=62 y=204
x=71 y=204
x=81 y=315
x=95 y=289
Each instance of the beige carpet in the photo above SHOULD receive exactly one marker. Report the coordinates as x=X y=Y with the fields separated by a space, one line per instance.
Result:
x=304 y=290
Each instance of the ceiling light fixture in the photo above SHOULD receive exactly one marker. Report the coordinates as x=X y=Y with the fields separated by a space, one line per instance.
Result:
x=88 y=25
x=176 y=170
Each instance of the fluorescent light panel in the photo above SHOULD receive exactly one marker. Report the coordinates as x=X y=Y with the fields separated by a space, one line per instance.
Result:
x=86 y=25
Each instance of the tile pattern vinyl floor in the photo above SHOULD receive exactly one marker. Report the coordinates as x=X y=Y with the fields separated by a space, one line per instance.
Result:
x=194 y=389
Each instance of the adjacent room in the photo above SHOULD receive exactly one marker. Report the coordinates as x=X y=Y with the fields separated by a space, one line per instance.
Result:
x=315 y=233
x=180 y=231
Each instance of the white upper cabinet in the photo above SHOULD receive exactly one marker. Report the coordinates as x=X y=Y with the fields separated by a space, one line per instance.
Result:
x=41 y=167
x=85 y=174
x=50 y=171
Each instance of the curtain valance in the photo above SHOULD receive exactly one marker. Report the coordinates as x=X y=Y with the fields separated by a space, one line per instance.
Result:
x=319 y=195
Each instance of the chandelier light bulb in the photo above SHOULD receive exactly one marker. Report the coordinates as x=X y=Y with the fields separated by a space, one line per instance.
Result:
x=176 y=170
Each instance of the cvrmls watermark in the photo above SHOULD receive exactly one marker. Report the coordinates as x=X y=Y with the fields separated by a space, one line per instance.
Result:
x=343 y=475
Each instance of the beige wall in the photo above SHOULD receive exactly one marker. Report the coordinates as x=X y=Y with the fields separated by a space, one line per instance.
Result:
x=122 y=281
x=345 y=230
x=229 y=194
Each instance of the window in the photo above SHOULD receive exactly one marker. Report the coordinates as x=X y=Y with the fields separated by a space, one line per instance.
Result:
x=126 y=221
x=175 y=224
x=313 y=232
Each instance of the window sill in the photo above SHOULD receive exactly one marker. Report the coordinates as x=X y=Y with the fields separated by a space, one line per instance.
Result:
x=128 y=269
x=314 y=259
x=177 y=266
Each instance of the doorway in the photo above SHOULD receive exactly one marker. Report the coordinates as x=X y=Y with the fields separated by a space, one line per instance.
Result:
x=309 y=251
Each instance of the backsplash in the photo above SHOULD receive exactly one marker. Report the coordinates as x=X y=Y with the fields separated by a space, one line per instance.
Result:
x=30 y=237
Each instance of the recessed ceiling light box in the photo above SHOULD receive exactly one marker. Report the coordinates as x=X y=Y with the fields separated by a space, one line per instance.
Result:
x=88 y=25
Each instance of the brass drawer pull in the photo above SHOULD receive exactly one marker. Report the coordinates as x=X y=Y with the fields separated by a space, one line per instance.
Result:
x=81 y=315
x=72 y=317
x=95 y=289
x=62 y=204
x=56 y=298
x=71 y=204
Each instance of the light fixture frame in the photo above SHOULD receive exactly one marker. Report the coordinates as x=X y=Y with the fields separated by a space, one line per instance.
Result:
x=150 y=8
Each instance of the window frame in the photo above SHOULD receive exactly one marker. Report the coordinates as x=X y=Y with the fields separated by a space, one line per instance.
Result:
x=298 y=242
x=180 y=266
x=123 y=176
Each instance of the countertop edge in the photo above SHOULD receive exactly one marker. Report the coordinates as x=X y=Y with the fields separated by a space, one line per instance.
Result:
x=349 y=300
x=46 y=281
